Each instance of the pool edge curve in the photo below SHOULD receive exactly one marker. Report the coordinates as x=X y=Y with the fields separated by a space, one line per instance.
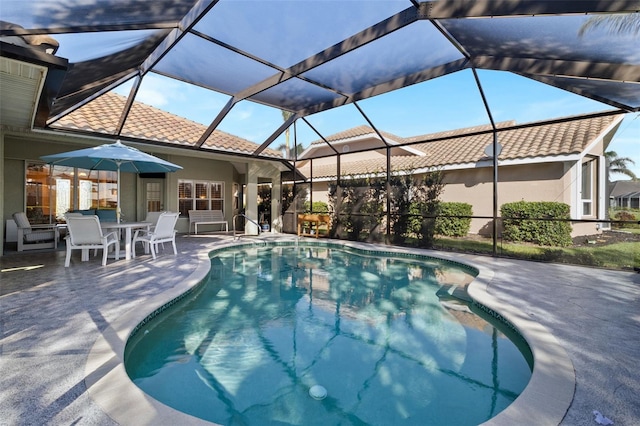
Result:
x=544 y=401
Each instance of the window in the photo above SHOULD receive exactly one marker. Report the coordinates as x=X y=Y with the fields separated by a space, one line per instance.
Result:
x=39 y=206
x=154 y=197
x=52 y=191
x=587 y=187
x=200 y=195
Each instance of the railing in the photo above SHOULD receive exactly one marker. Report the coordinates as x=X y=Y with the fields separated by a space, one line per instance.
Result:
x=246 y=218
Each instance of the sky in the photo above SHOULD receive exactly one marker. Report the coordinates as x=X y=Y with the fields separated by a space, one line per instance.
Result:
x=446 y=103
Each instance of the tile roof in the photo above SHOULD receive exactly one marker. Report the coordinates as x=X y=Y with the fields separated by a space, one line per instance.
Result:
x=146 y=122
x=551 y=139
x=356 y=132
x=623 y=187
x=364 y=130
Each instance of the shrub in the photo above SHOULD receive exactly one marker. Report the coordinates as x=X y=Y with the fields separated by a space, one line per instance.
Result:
x=401 y=189
x=536 y=222
x=625 y=216
x=318 y=207
x=448 y=224
x=425 y=207
x=357 y=209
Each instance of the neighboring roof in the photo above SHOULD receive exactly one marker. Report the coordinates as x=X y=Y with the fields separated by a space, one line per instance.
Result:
x=363 y=132
x=357 y=132
x=630 y=195
x=145 y=122
x=623 y=187
x=558 y=139
x=360 y=131
x=311 y=56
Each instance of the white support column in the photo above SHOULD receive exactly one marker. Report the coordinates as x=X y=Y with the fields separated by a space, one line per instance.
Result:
x=276 y=216
x=575 y=175
x=251 y=212
x=3 y=219
x=602 y=195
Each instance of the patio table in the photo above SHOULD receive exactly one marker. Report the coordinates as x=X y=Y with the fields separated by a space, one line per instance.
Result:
x=127 y=226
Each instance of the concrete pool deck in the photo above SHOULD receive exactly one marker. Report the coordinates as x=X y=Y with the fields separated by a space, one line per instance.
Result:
x=51 y=318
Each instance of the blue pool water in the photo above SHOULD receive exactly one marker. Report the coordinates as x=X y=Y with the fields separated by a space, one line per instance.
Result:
x=381 y=335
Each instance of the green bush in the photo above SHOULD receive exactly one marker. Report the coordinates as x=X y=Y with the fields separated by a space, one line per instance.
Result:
x=625 y=216
x=318 y=207
x=534 y=222
x=357 y=209
x=449 y=225
x=425 y=207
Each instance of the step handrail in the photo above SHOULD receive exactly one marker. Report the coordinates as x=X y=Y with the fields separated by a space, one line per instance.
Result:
x=246 y=218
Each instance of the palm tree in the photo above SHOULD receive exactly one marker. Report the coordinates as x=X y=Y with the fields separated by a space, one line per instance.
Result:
x=288 y=152
x=627 y=23
x=287 y=146
x=619 y=165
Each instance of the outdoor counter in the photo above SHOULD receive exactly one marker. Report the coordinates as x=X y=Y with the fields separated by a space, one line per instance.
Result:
x=310 y=224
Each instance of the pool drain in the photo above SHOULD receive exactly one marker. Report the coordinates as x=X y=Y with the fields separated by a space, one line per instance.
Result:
x=318 y=392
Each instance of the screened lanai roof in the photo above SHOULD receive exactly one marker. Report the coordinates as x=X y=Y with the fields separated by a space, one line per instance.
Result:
x=309 y=56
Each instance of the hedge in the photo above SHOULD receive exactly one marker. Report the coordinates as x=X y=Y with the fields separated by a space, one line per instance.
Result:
x=318 y=207
x=539 y=231
x=449 y=225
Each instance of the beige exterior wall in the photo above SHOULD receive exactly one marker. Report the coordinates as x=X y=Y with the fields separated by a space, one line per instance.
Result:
x=22 y=148
x=320 y=191
x=533 y=182
x=536 y=182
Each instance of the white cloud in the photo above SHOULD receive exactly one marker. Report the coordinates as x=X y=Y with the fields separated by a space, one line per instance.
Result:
x=244 y=113
x=152 y=97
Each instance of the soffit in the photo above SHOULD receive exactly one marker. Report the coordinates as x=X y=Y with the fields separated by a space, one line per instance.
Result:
x=21 y=84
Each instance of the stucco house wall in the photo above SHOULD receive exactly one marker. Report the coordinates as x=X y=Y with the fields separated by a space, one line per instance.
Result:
x=29 y=147
x=531 y=182
x=551 y=181
x=552 y=162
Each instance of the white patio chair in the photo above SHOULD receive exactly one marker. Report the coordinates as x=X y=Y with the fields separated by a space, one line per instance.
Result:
x=32 y=237
x=84 y=233
x=163 y=232
x=72 y=214
x=76 y=214
x=152 y=218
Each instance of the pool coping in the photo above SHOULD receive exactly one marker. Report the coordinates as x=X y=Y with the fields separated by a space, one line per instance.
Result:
x=545 y=400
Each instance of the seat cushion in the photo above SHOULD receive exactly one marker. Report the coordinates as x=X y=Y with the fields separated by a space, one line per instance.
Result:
x=107 y=215
x=39 y=236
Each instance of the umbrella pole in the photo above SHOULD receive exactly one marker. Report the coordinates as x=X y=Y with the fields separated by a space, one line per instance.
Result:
x=118 y=195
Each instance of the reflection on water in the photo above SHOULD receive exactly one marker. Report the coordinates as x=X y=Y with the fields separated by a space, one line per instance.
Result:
x=380 y=334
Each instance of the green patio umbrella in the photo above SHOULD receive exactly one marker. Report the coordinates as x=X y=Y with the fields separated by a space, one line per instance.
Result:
x=112 y=157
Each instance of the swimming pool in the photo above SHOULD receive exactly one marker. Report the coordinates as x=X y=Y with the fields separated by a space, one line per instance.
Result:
x=381 y=334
